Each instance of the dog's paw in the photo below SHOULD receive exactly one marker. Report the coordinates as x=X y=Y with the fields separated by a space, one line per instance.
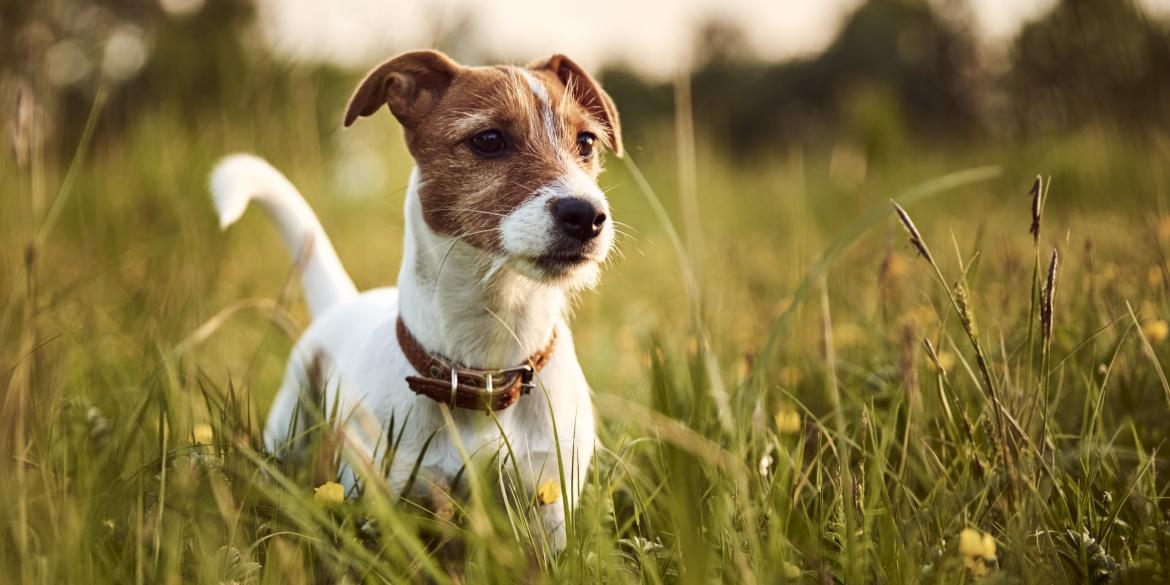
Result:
x=552 y=519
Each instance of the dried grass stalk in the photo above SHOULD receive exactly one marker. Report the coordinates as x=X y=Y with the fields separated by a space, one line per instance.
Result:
x=915 y=237
x=1037 y=193
x=1049 y=294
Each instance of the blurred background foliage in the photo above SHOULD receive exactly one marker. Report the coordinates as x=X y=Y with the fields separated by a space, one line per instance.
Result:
x=898 y=71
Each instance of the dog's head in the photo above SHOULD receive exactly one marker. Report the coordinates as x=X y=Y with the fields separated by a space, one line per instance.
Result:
x=508 y=157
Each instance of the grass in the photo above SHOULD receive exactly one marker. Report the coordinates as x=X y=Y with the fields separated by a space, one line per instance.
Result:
x=787 y=390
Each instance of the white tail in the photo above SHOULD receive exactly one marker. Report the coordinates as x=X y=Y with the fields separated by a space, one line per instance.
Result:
x=241 y=178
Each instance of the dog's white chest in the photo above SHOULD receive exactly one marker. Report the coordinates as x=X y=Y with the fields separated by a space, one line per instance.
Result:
x=361 y=366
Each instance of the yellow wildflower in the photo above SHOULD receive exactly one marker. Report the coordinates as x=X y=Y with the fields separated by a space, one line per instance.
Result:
x=329 y=492
x=202 y=434
x=978 y=550
x=788 y=421
x=548 y=492
x=946 y=361
x=789 y=376
x=1156 y=330
x=791 y=571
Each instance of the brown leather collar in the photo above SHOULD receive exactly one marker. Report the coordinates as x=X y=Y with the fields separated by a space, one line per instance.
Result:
x=470 y=388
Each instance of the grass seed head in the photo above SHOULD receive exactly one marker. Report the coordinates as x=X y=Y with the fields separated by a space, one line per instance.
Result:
x=1049 y=294
x=912 y=230
x=1037 y=193
x=942 y=361
x=930 y=350
x=966 y=317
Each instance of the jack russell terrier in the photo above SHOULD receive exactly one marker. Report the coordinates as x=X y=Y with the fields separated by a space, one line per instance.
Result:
x=504 y=224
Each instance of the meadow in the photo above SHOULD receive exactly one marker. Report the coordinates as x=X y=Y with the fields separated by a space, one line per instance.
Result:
x=794 y=383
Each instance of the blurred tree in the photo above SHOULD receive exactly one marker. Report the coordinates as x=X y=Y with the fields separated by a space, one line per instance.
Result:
x=201 y=57
x=1091 y=61
x=145 y=53
x=900 y=54
x=645 y=106
x=895 y=69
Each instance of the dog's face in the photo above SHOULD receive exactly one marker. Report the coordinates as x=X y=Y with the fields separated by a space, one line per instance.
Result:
x=508 y=157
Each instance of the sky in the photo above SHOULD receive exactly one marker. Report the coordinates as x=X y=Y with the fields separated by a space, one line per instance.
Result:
x=654 y=37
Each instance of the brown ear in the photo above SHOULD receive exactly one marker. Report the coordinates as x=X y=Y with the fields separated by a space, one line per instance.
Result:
x=588 y=93
x=410 y=84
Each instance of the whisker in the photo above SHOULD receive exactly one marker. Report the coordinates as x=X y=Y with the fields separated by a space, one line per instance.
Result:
x=624 y=224
x=470 y=210
x=496 y=264
x=443 y=262
x=620 y=236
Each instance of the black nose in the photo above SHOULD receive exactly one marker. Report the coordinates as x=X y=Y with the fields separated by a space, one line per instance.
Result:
x=578 y=218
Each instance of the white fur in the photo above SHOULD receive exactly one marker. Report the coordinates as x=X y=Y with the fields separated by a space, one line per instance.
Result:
x=527 y=231
x=546 y=112
x=242 y=178
x=458 y=303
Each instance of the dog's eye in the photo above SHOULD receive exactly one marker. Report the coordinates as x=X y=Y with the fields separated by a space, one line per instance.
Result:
x=585 y=141
x=490 y=143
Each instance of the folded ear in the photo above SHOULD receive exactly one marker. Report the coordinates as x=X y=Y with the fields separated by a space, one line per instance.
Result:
x=588 y=93
x=410 y=84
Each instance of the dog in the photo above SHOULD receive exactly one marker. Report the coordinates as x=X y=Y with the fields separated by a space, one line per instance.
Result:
x=505 y=224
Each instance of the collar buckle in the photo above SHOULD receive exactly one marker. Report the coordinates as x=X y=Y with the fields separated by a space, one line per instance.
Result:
x=524 y=370
x=454 y=387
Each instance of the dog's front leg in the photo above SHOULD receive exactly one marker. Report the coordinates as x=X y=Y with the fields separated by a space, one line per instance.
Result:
x=552 y=479
x=543 y=489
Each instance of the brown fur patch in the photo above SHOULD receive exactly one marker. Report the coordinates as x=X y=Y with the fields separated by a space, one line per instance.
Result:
x=467 y=195
x=587 y=93
x=443 y=105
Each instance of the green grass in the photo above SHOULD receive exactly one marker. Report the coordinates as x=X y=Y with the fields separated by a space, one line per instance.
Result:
x=791 y=289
